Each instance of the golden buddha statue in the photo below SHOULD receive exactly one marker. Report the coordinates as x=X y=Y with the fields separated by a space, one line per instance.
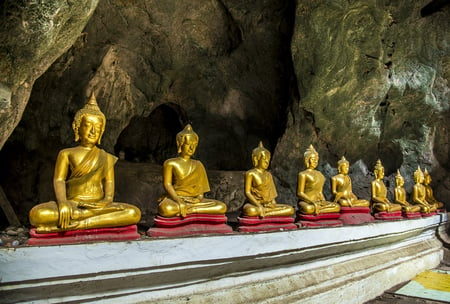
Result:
x=185 y=182
x=419 y=193
x=310 y=185
x=341 y=187
x=260 y=189
x=429 y=191
x=84 y=183
x=400 y=195
x=379 y=192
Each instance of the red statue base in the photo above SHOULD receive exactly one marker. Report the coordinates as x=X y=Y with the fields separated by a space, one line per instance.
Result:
x=388 y=216
x=412 y=215
x=189 y=225
x=126 y=233
x=441 y=211
x=269 y=223
x=355 y=215
x=428 y=214
x=320 y=220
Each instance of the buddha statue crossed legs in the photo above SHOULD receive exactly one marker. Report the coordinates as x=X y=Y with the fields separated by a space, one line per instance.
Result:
x=84 y=183
x=260 y=189
x=310 y=185
x=379 y=192
x=341 y=187
x=185 y=182
x=400 y=198
x=429 y=191
x=419 y=193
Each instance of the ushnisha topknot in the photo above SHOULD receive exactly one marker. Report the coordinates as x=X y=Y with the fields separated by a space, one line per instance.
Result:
x=90 y=108
x=399 y=174
x=187 y=131
x=260 y=149
x=342 y=161
x=310 y=151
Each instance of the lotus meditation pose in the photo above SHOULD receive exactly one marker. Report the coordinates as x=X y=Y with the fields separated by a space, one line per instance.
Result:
x=260 y=189
x=84 y=183
x=185 y=182
x=429 y=191
x=310 y=185
x=400 y=195
x=419 y=193
x=341 y=187
x=379 y=192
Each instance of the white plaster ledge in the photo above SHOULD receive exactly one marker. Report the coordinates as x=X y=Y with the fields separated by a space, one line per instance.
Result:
x=305 y=265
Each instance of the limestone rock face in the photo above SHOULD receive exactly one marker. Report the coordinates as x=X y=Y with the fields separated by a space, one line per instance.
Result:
x=364 y=79
x=33 y=35
x=373 y=79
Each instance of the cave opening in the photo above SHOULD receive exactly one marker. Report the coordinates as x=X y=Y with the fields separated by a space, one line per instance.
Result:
x=152 y=138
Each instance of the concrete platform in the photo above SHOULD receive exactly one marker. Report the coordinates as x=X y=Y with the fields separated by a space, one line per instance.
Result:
x=349 y=264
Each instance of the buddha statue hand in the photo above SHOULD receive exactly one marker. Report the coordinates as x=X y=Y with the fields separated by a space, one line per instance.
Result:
x=65 y=215
x=262 y=212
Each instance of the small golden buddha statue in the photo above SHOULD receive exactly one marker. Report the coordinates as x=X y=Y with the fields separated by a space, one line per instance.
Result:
x=379 y=192
x=400 y=195
x=260 y=189
x=419 y=193
x=84 y=183
x=185 y=182
x=429 y=191
x=341 y=187
x=310 y=185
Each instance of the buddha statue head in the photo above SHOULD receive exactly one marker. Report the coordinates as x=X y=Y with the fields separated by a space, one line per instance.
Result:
x=311 y=157
x=187 y=141
x=261 y=157
x=426 y=177
x=343 y=166
x=378 y=170
x=399 y=181
x=89 y=119
x=418 y=175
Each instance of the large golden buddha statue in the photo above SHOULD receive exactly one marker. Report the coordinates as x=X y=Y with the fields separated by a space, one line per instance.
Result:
x=379 y=192
x=400 y=195
x=260 y=191
x=341 y=187
x=310 y=185
x=419 y=193
x=429 y=191
x=185 y=182
x=84 y=183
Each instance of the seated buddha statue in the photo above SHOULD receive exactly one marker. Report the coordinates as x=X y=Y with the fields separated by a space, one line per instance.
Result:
x=419 y=193
x=379 y=192
x=310 y=185
x=260 y=191
x=429 y=191
x=185 y=182
x=84 y=183
x=400 y=195
x=341 y=187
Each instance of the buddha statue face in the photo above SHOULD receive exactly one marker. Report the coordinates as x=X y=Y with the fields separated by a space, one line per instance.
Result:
x=90 y=130
x=261 y=157
x=343 y=166
x=89 y=123
x=189 y=145
x=427 y=179
x=311 y=158
x=379 y=173
x=399 y=181
x=418 y=176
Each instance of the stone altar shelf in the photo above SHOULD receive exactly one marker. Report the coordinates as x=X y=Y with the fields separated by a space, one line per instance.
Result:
x=350 y=264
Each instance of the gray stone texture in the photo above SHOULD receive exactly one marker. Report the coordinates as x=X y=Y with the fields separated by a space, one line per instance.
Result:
x=364 y=79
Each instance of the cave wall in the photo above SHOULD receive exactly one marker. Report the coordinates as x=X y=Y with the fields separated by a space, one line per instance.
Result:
x=373 y=77
x=364 y=79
